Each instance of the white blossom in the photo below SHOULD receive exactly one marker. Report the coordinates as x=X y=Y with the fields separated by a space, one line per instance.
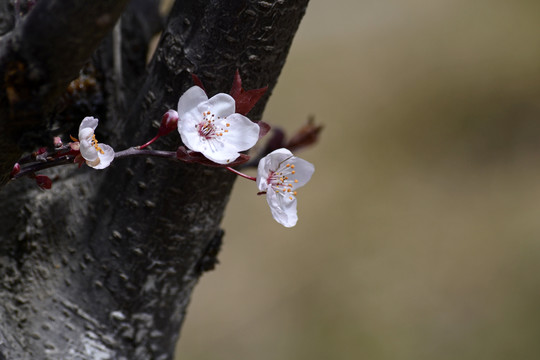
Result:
x=211 y=127
x=97 y=155
x=279 y=174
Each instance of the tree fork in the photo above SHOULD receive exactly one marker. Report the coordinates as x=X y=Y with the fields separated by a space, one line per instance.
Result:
x=103 y=265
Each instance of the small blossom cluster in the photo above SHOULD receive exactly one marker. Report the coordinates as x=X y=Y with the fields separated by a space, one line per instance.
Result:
x=215 y=131
x=213 y=128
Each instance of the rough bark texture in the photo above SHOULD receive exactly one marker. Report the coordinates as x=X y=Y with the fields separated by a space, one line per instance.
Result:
x=102 y=266
x=38 y=59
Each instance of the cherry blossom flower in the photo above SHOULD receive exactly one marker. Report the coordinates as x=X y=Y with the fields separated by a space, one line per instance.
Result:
x=211 y=127
x=97 y=155
x=279 y=174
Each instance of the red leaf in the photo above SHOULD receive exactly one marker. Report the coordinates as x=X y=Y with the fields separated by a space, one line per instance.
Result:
x=43 y=181
x=79 y=160
x=264 y=128
x=276 y=141
x=307 y=135
x=197 y=81
x=245 y=100
x=236 y=85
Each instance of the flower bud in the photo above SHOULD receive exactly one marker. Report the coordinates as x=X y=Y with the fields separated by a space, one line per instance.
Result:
x=169 y=122
x=16 y=169
x=57 y=142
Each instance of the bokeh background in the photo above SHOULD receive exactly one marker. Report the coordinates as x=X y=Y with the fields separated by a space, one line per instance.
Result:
x=419 y=234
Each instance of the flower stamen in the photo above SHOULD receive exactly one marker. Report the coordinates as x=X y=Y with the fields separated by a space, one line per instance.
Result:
x=95 y=144
x=275 y=172
x=210 y=134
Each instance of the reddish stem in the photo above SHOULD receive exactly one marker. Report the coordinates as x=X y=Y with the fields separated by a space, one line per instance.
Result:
x=241 y=174
x=150 y=142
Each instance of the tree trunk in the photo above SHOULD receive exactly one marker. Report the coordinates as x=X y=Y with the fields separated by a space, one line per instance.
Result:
x=102 y=265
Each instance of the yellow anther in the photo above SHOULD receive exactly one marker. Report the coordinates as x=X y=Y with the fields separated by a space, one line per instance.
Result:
x=293 y=172
x=295 y=180
x=288 y=165
x=228 y=124
x=290 y=197
x=292 y=166
x=96 y=145
x=72 y=138
x=294 y=193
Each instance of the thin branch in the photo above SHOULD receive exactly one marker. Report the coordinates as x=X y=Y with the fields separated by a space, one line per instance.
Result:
x=49 y=160
x=241 y=174
x=136 y=152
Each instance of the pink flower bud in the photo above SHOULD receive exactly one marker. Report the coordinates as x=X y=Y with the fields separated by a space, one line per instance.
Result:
x=75 y=146
x=169 y=122
x=57 y=141
x=16 y=169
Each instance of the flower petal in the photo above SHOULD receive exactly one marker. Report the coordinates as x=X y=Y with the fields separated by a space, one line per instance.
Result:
x=188 y=128
x=222 y=105
x=263 y=171
x=303 y=171
x=274 y=160
x=106 y=158
x=88 y=122
x=88 y=151
x=239 y=133
x=213 y=149
x=225 y=133
x=190 y=100
x=270 y=164
x=221 y=156
x=283 y=208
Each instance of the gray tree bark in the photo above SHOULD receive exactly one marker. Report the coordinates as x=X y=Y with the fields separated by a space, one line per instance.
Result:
x=102 y=266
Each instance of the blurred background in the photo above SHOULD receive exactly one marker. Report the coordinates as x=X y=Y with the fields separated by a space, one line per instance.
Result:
x=419 y=234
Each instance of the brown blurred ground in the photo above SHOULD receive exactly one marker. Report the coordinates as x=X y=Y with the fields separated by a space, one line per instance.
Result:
x=419 y=235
